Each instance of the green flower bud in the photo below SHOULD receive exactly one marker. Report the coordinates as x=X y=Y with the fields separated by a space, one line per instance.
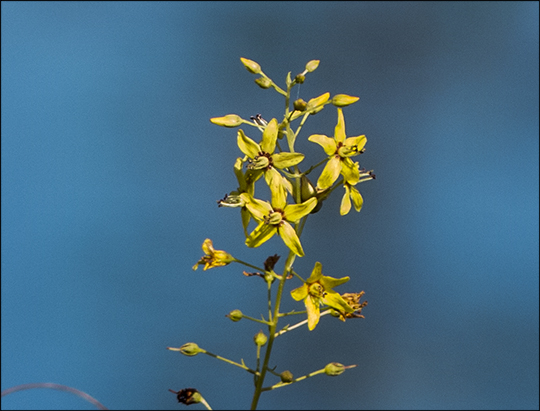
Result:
x=263 y=82
x=300 y=78
x=334 y=369
x=260 y=339
x=190 y=349
x=343 y=100
x=317 y=104
x=300 y=105
x=307 y=190
x=230 y=120
x=286 y=376
x=235 y=315
x=312 y=65
x=251 y=66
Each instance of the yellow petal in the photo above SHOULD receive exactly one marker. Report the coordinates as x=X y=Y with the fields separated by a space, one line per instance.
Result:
x=300 y=293
x=260 y=235
x=247 y=146
x=269 y=138
x=294 y=212
x=339 y=132
x=313 y=312
x=289 y=237
x=357 y=199
x=283 y=160
x=330 y=173
x=350 y=171
x=327 y=143
x=345 y=202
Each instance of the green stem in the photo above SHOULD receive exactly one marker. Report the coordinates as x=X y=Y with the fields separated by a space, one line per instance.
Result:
x=282 y=384
x=203 y=401
x=272 y=331
x=247 y=317
x=243 y=366
x=292 y=327
x=236 y=260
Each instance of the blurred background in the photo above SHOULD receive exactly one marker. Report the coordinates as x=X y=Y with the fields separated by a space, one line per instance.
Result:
x=111 y=171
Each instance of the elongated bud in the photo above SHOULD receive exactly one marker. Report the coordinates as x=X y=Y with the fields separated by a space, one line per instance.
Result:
x=251 y=66
x=312 y=65
x=343 y=100
x=334 y=369
x=235 y=315
x=189 y=349
x=260 y=339
x=317 y=104
x=230 y=120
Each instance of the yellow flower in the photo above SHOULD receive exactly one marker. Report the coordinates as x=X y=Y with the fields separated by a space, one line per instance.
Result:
x=340 y=149
x=317 y=290
x=276 y=218
x=213 y=258
x=262 y=156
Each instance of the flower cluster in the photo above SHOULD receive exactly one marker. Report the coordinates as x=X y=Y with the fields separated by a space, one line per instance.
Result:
x=291 y=198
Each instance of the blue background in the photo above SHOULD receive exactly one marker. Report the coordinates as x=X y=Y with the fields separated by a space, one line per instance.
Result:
x=111 y=171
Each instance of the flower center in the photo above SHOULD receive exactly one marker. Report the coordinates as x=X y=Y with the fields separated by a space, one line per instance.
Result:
x=274 y=218
x=316 y=290
x=346 y=151
x=262 y=161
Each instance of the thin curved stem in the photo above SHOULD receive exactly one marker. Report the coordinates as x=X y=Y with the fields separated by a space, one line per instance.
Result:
x=58 y=387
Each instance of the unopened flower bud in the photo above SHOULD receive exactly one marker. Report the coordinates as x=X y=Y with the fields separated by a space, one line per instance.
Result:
x=334 y=369
x=251 y=66
x=300 y=105
x=230 y=120
x=235 y=315
x=286 y=376
x=316 y=104
x=263 y=82
x=307 y=190
x=342 y=100
x=190 y=349
x=260 y=339
x=312 y=65
x=300 y=78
